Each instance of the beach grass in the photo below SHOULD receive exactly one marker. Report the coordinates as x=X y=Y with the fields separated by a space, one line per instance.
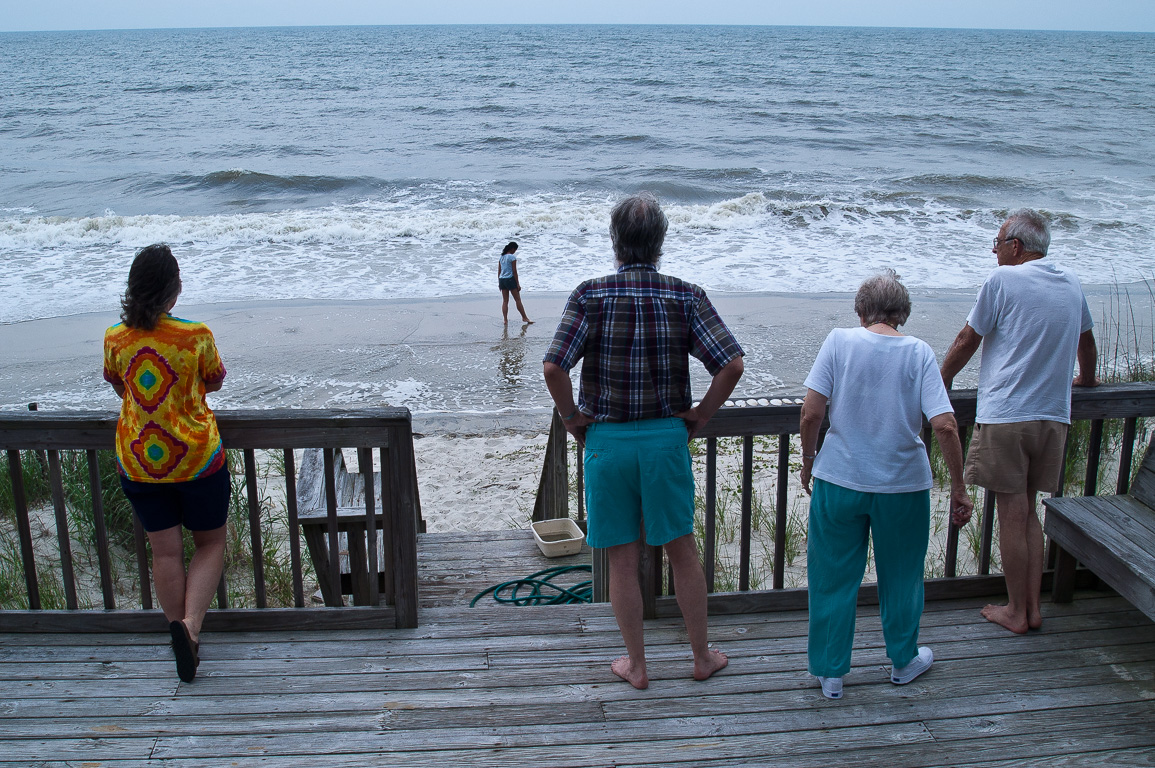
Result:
x=274 y=540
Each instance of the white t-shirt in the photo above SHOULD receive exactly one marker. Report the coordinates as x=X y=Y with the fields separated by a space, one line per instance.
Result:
x=879 y=387
x=1030 y=317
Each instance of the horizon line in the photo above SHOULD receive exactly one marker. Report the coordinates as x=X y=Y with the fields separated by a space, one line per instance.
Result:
x=576 y=24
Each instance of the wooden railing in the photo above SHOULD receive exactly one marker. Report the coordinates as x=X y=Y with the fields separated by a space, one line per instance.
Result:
x=1124 y=402
x=392 y=505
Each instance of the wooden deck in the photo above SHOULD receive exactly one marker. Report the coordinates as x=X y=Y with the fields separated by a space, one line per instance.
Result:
x=453 y=567
x=505 y=686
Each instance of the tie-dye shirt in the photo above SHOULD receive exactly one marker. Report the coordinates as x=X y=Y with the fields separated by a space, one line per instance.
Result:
x=166 y=432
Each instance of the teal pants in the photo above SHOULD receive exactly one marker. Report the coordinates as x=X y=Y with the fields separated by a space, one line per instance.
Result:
x=841 y=520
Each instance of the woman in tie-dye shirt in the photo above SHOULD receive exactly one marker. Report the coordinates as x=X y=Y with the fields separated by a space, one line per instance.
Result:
x=169 y=451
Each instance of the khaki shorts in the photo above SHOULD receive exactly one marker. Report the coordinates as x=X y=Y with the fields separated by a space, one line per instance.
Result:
x=1014 y=458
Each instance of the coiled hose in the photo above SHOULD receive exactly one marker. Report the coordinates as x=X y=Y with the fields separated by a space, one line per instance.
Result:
x=539 y=589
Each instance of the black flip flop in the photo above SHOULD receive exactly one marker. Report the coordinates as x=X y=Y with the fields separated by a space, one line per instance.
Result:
x=185 y=651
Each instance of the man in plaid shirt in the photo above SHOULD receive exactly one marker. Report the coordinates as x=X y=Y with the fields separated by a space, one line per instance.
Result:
x=636 y=330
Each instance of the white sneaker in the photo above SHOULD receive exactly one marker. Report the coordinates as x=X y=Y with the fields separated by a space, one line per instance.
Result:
x=918 y=665
x=831 y=687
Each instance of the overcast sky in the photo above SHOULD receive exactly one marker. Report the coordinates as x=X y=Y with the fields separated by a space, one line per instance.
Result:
x=1111 y=15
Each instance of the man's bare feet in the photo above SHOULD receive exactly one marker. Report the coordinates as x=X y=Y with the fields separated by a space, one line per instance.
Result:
x=713 y=661
x=1001 y=615
x=624 y=668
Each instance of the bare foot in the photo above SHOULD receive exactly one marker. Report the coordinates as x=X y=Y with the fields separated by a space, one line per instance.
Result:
x=1001 y=615
x=713 y=661
x=527 y=321
x=624 y=669
x=1035 y=619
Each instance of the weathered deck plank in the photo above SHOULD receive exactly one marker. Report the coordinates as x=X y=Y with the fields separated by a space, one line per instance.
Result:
x=505 y=686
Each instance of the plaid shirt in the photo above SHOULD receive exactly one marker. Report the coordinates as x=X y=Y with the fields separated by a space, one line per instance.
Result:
x=635 y=330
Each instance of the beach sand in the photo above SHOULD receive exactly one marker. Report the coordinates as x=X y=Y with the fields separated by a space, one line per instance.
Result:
x=450 y=360
x=480 y=409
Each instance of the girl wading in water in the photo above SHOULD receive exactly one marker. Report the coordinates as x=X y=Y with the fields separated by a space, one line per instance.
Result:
x=508 y=282
x=170 y=457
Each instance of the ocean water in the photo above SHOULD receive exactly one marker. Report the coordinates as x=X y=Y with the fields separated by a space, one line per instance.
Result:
x=381 y=162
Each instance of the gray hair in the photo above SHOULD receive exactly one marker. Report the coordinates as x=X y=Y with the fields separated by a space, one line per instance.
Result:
x=638 y=229
x=882 y=299
x=1030 y=228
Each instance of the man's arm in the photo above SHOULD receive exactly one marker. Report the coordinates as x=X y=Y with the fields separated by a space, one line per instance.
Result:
x=962 y=349
x=561 y=390
x=1088 y=357
x=721 y=386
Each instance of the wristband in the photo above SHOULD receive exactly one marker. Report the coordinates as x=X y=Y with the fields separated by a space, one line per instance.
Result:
x=571 y=416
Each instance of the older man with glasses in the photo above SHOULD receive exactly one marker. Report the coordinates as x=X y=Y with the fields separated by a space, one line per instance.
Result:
x=1033 y=323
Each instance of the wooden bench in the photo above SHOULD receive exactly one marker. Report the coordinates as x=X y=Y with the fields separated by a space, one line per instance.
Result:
x=349 y=481
x=1114 y=536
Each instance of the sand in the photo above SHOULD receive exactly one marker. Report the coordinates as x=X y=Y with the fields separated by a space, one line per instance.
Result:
x=480 y=410
x=450 y=361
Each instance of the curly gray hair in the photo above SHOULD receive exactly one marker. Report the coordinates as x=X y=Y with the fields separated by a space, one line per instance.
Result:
x=882 y=299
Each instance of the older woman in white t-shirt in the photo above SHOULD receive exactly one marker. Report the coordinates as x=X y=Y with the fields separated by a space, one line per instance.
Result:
x=872 y=478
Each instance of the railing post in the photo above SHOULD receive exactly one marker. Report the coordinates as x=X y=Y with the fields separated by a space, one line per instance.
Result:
x=294 y=528
x=780 y=517
x=404 y=544
x=988 y=532
x=27 y=554
x=711 y=510
x=102 y=552
x=142 y=564
x=365 y=464
x=552 y=500
x=649 y=564
x=335 y=598
x=57 y=483
x=1094 y=450
x=1126 y=455
x=255 y=540
x=601 y=576
x=747 y=499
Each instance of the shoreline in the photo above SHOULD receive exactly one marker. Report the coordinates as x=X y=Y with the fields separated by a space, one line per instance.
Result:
x=453 y=363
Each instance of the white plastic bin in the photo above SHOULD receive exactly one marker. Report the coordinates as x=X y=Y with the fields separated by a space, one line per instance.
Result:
x=558 y=538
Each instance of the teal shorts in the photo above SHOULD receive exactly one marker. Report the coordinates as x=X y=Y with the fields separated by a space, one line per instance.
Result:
x=635 y=471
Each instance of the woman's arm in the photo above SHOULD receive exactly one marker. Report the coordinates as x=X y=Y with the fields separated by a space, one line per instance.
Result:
x=813 y=412
x=946 y=432
x=516 y=279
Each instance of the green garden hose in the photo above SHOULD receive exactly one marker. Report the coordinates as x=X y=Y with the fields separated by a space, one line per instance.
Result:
x=535 y=583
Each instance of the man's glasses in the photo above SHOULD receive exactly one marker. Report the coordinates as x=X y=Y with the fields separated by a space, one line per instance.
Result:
x=1000 y=240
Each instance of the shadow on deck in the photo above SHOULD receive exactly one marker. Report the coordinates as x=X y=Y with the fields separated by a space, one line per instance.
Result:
x=505 y=686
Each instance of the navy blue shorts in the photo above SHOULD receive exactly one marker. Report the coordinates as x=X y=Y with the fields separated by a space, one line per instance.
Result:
x=507 y=283
x=199 y=505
